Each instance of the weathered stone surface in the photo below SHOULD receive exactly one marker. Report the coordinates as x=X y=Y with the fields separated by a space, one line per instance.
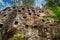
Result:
x=27 y=21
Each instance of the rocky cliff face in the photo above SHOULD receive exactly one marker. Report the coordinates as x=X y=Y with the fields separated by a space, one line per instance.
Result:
x=28 y=21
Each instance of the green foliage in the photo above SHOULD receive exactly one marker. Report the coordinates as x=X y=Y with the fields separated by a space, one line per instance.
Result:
x=16 y=2
x=49 y=16
x=53 y=2
x=56 y=11
x=0 y=38
x=54 y=6
x=28 y=2
x=23 y=2
x=18 y=37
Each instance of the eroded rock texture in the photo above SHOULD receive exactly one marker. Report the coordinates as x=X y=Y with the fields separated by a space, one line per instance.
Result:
x=25 y=20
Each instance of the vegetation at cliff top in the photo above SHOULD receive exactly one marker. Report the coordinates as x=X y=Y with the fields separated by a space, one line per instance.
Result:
x=54 y=5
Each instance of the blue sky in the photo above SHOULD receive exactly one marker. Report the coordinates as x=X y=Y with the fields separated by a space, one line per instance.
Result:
x=40 y=2
x=6 y=3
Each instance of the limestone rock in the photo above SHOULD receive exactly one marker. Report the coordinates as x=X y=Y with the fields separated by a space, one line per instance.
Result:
x=24 y=20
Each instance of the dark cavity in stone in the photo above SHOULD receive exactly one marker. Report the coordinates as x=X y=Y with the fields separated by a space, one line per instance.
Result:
x=19 y=10
x=35 y=26
x=4 y=15
x=16 y=22
x=23 y=8
x=26 y=26
x=33 y=11
x=24 y=17
x=1 y=25
x=29 y=13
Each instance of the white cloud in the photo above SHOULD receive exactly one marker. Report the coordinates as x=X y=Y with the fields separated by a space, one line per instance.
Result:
x=1 y=1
